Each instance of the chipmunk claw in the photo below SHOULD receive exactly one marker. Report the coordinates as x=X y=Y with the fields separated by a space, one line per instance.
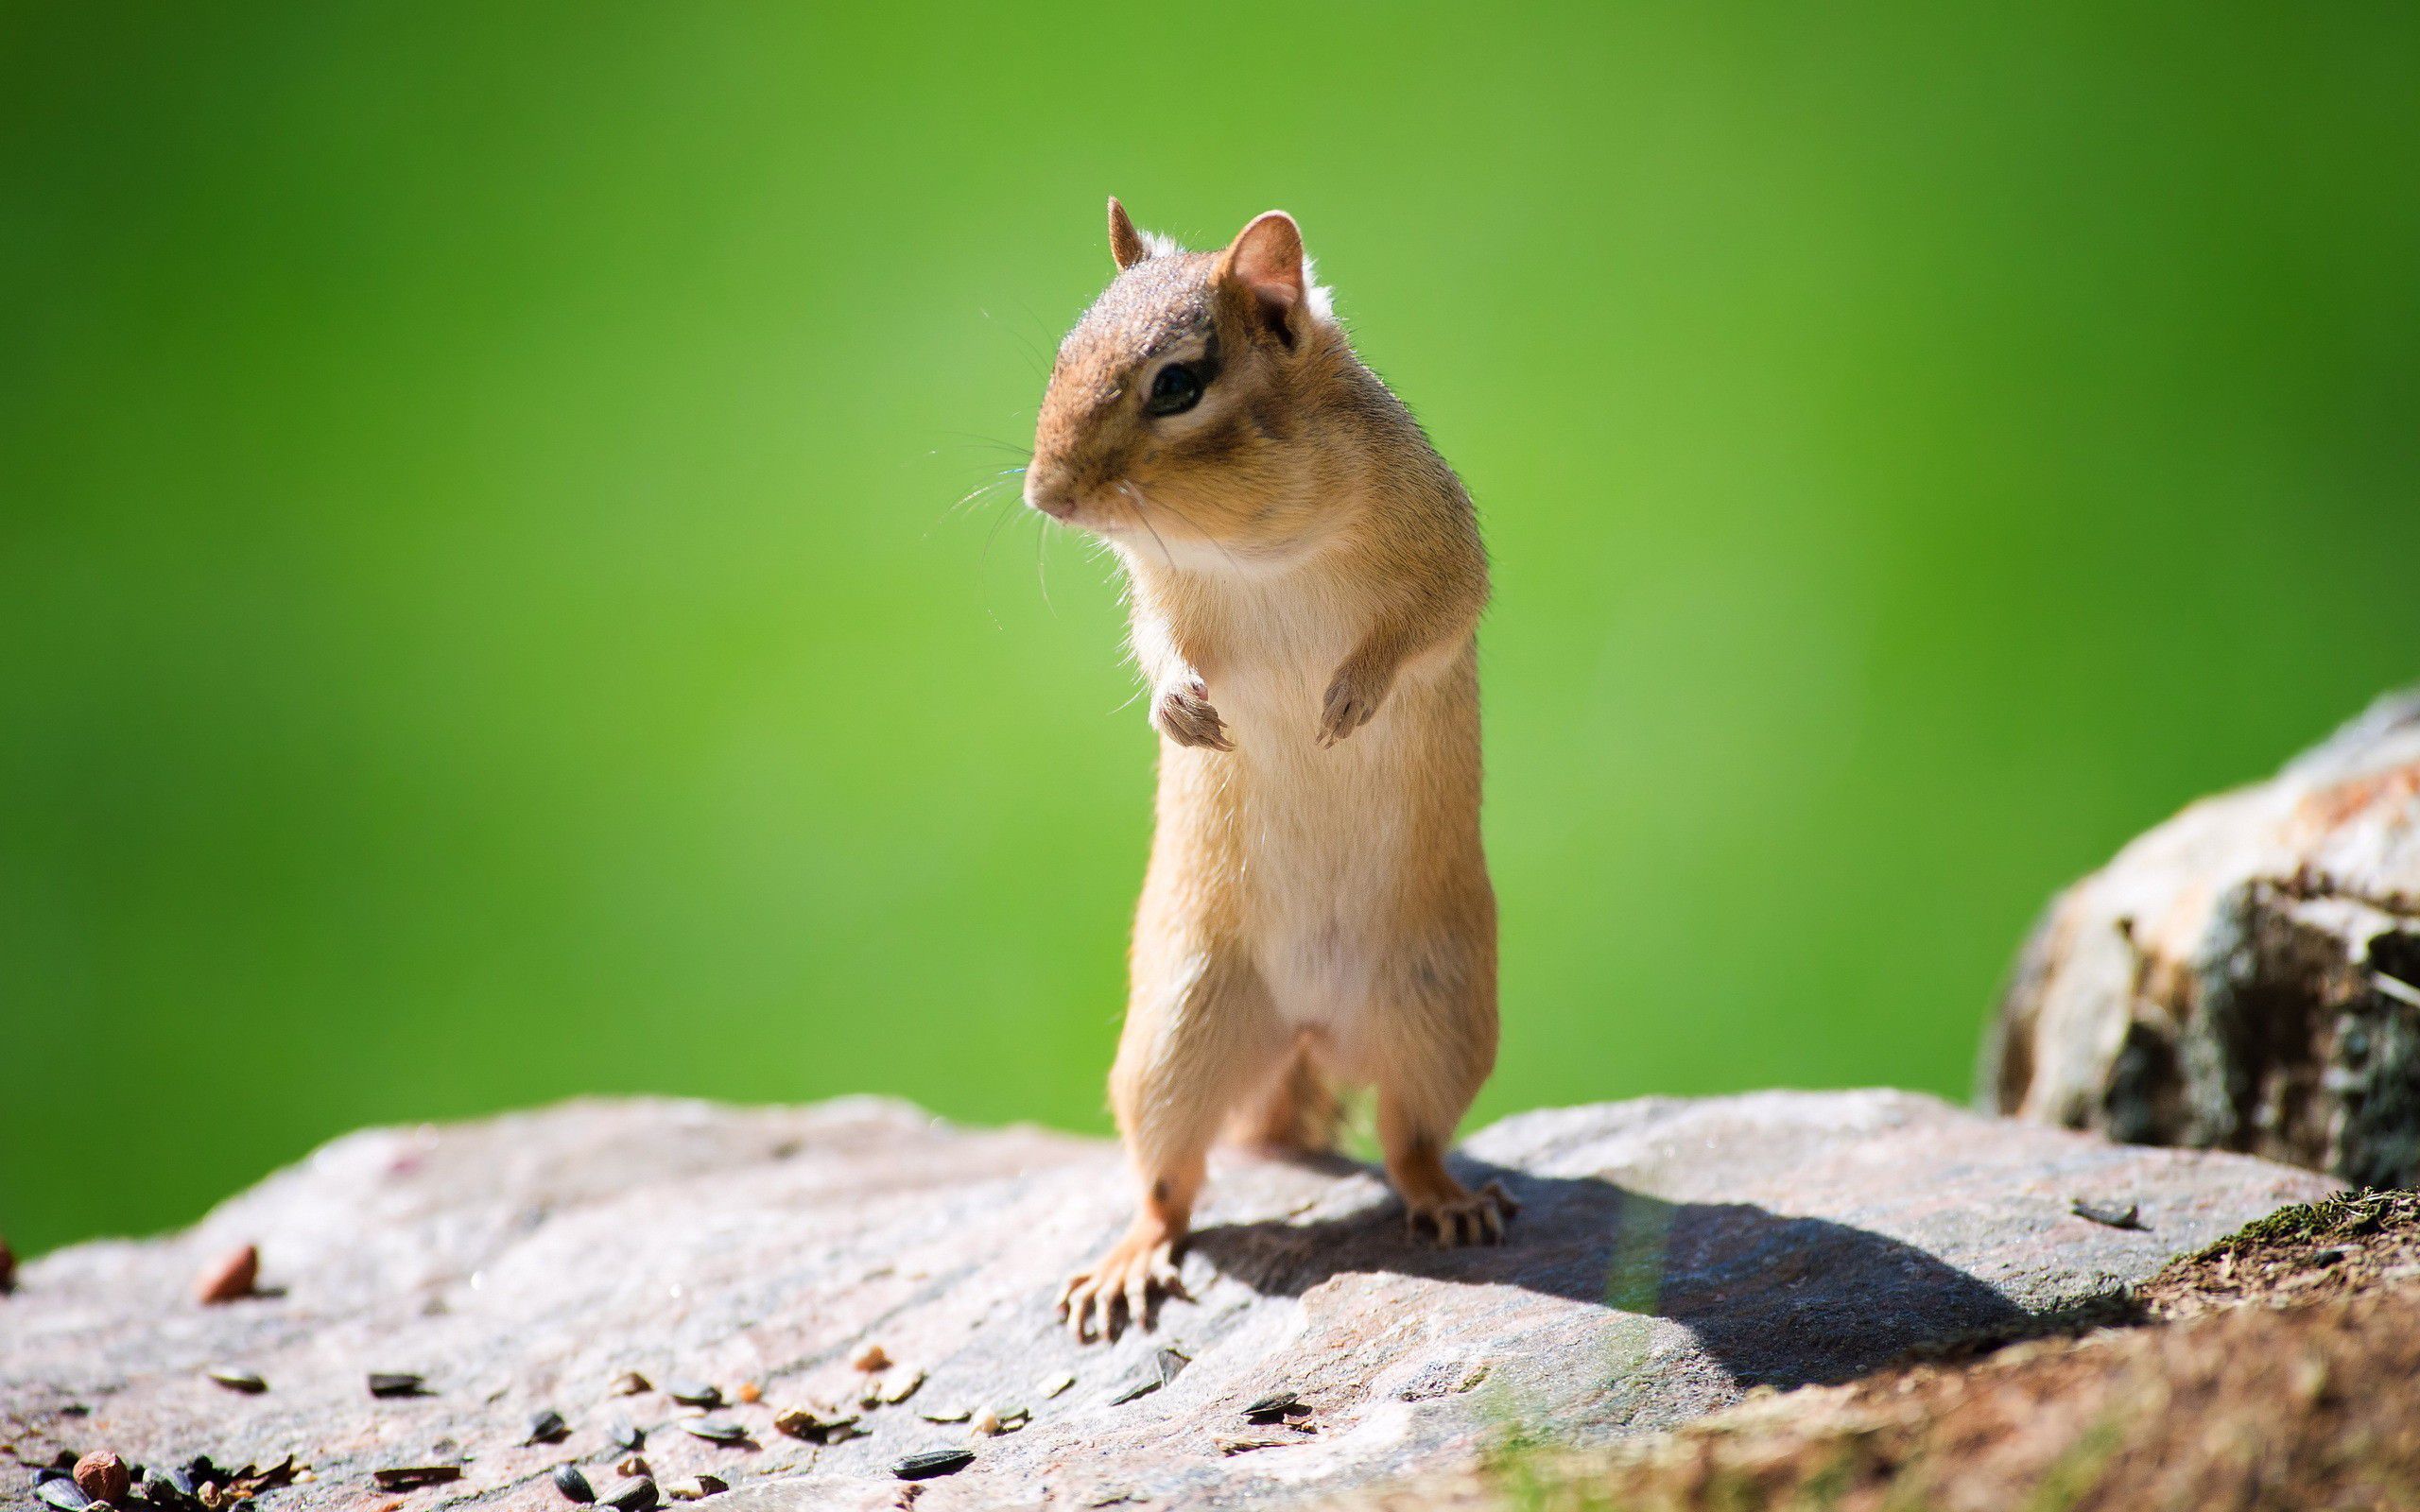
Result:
x=1122 y=1289
x=1182 y=712
x=1467 y=1218
x=1349 y=705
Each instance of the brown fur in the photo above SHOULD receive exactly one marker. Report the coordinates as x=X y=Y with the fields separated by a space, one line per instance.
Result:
x=1306 y=577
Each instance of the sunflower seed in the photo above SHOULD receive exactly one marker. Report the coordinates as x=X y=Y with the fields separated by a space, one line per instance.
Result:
x=624 y=1435
x=695 y=1393
x=629 y=1383
x=696 y=1489
x=1172 y=1364
x=404 y=1477
x=395 y=1384
x=1057 y=1383
x=639 y=1495
x=952 y=1415
x=235 y=1378
x=547 y=1428
x=574 y=1486
x=933 y=1462
x=715 y=1431
x=63 y=1494
x=1276 y=1407
x=869 y=1358
x=632 y=1467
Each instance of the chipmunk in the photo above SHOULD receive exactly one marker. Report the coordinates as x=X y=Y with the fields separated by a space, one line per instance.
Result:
x=1305 y=577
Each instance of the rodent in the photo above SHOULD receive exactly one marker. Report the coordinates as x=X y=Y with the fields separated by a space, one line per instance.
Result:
x=1304 y=579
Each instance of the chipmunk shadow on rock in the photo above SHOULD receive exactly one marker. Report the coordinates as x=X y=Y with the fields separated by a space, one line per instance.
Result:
x=1774 y=1301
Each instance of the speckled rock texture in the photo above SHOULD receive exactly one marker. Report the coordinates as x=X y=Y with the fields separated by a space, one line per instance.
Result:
x=1668 y=1256
x=2244 y=977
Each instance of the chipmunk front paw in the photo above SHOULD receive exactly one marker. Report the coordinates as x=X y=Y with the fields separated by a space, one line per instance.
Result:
x=1182 y=711
x=1353 y=700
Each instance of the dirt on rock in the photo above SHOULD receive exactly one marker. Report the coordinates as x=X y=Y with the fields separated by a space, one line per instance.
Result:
x=2278 y=1368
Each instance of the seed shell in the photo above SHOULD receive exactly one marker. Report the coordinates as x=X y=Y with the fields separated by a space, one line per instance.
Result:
x=629 y=1383
x=574 y=1484
x=933 y=1462
x=1058 y=1382
x=548 y=1427
x=638 y=1495
x=64 y=1494
x=395 y=1384
x=233 y=1276
x=624 y=1435
x=404 y=1477
x=716 y=1430
x=696 y=1489
x=235 y=1377
x=695 y=1393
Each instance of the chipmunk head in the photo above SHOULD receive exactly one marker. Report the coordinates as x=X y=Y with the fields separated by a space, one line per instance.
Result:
x=1176 y=412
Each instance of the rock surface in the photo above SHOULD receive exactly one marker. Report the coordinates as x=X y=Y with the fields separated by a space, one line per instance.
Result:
x=2244 y=977
x=1668 y=1256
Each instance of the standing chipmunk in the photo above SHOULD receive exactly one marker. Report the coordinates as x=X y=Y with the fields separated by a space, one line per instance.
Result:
x=1305 y=576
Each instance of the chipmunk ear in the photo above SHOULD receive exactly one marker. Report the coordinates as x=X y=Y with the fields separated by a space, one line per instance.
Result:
x=1265 y=264
x=1126 y=244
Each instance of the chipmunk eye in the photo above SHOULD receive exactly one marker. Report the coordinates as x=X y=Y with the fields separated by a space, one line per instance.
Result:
x=1176 y=389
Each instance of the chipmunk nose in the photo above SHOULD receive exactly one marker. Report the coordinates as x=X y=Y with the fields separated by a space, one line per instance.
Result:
x=1049 y=489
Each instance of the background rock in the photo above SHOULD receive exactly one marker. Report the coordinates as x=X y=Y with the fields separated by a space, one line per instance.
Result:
x=2246 y=976
x=1668 y=1256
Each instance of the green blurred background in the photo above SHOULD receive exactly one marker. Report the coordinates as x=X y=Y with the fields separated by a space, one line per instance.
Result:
x=482 y=620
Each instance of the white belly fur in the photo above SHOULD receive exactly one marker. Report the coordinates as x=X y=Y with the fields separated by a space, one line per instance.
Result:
x=1322 y=830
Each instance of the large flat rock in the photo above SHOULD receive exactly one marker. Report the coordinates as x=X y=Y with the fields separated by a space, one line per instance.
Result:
x=1668 y=1256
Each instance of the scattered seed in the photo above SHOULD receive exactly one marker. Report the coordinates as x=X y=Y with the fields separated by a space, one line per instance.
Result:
x=695 y=1393
x=2130 y=1216
x=236 y=1379
x=1172 y=1364
x=715 y=1431
x=987 y=1422
x=639 y=1495
x=574 y=1484
x=102 y=1476
x=1058 y=1382
x=633 y=1465
x=234 y=1275
x=750 y=1392
x=696 y=1489
x=404 y=1477
x=1276 y=1407
x=1244 y=1446
x=869 y=1358
x=629 y=1383
x=397 y=1383
x=624 y=1435
x=816 y=1425
x=933 y=1462
x=547 y=1428
x=64 y=1494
